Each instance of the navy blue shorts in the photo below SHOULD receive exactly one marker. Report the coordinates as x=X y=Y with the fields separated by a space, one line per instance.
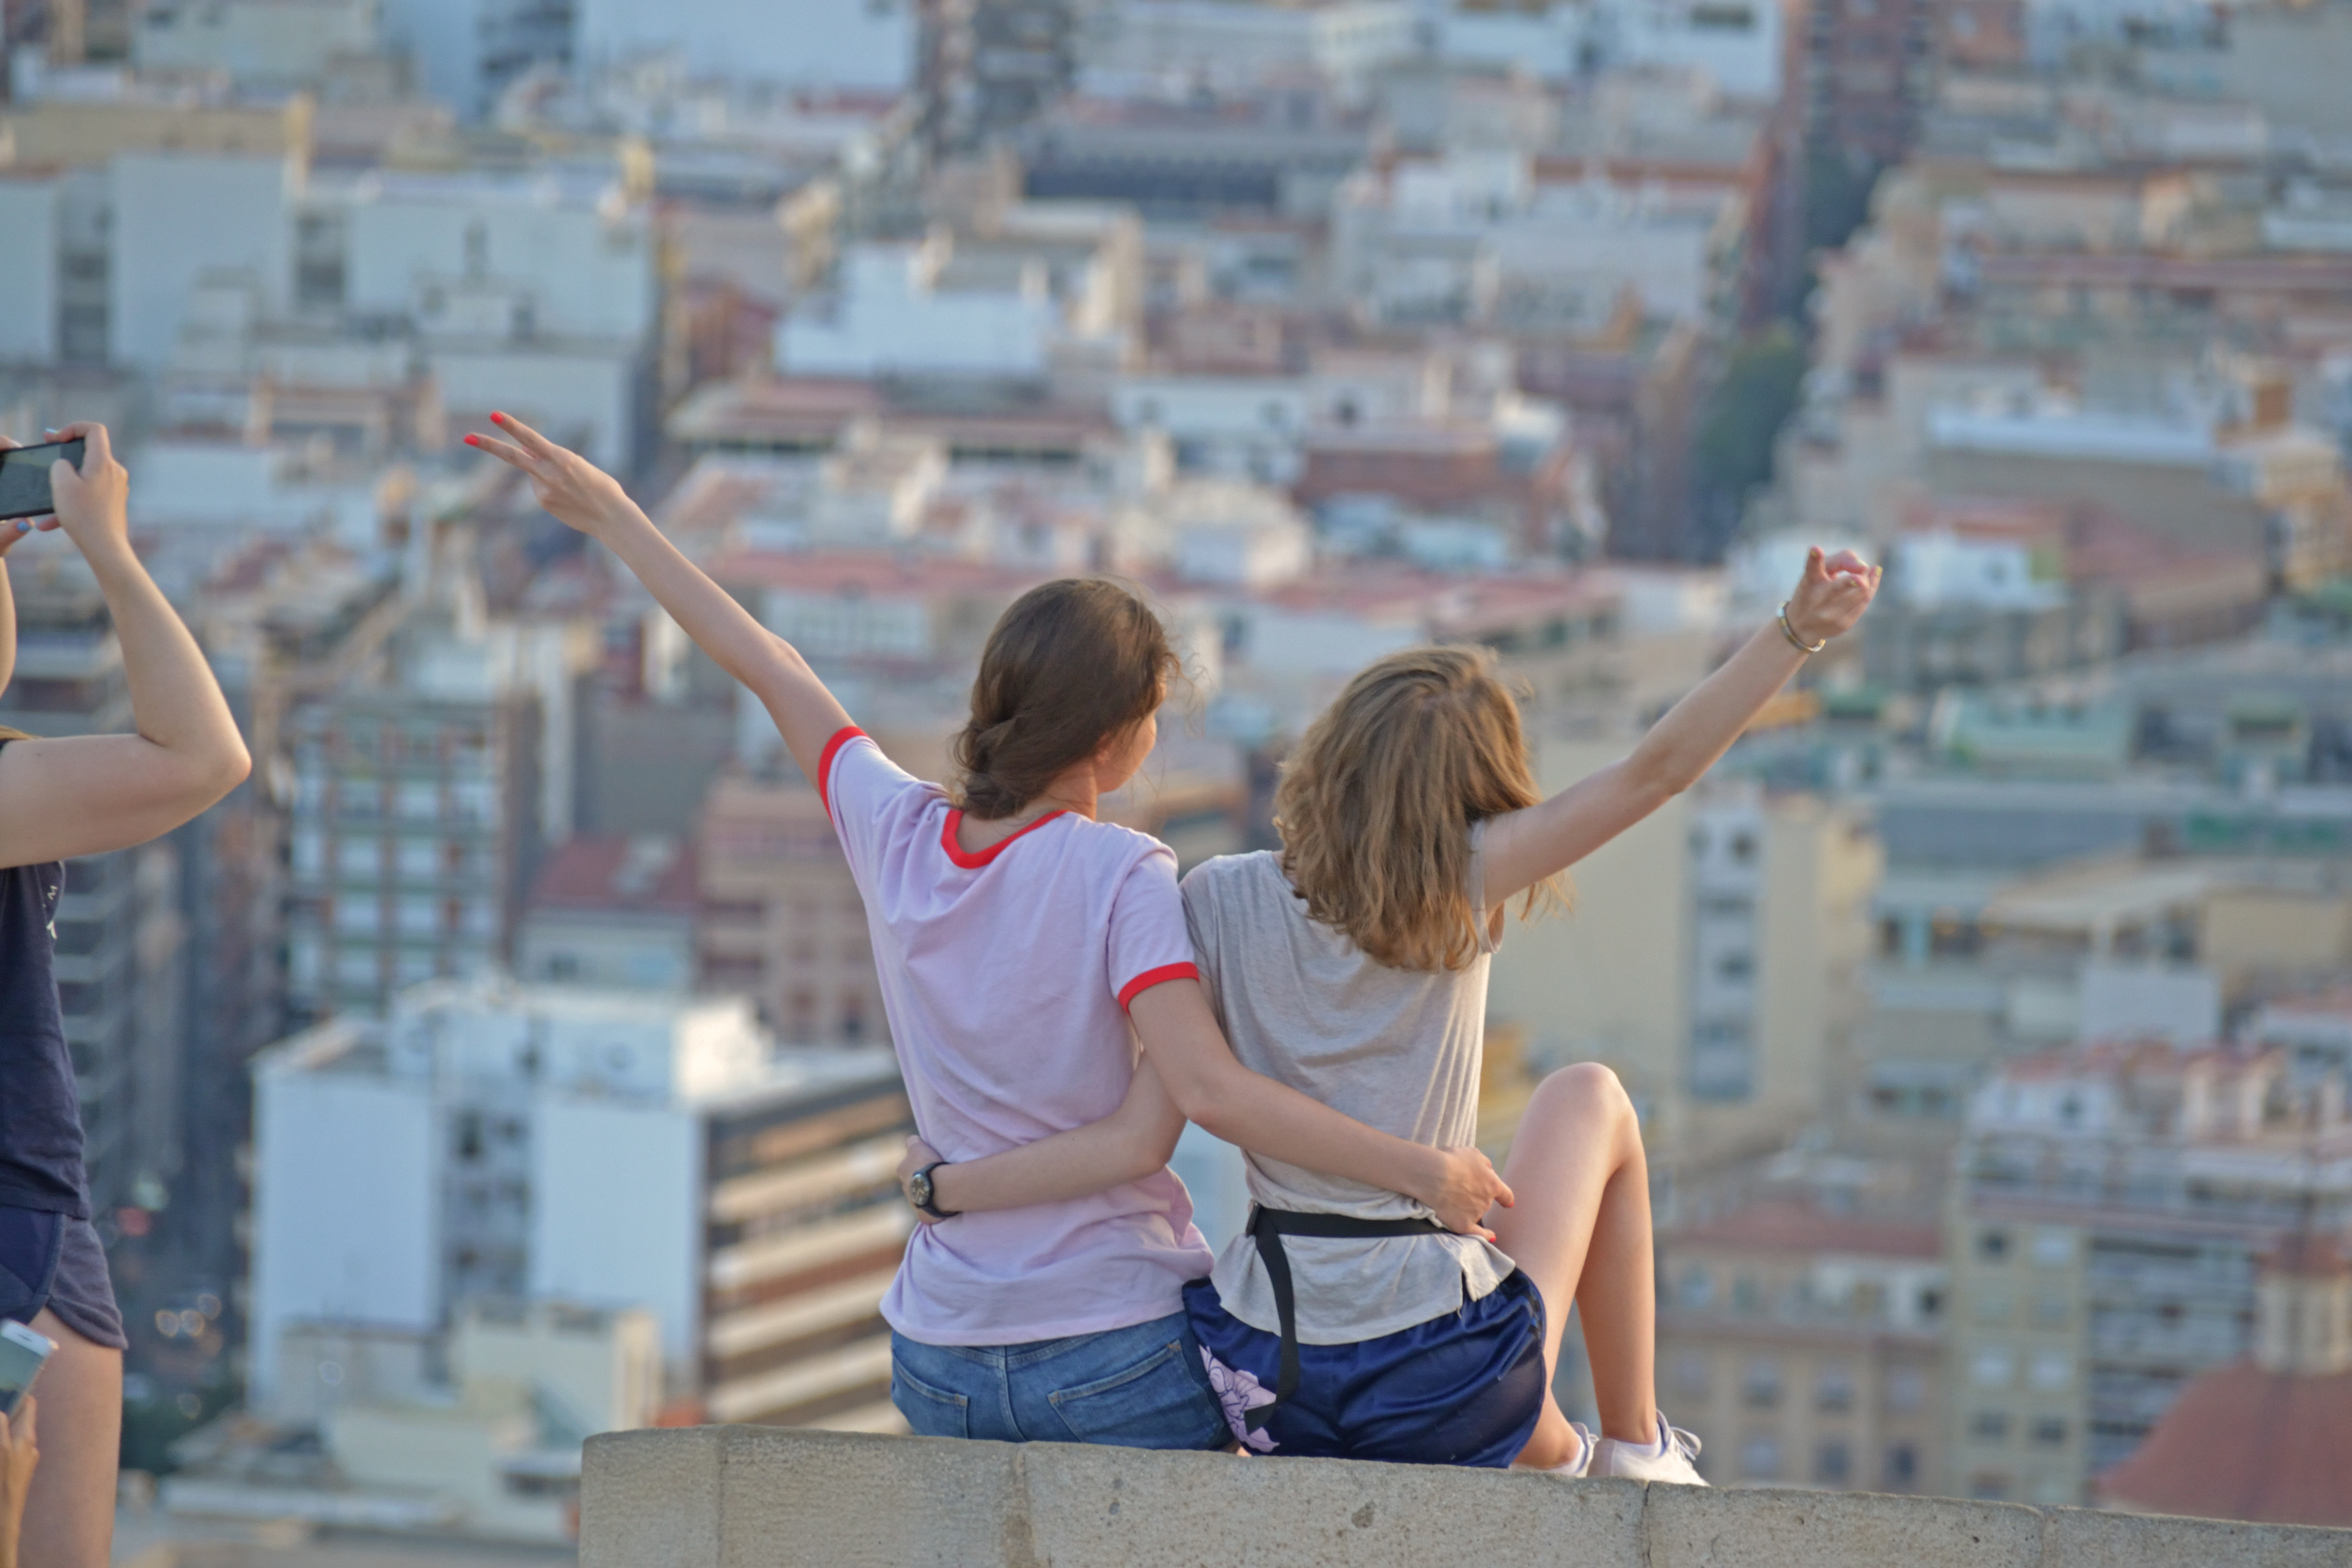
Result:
x=1463 y=1389
x=55 y=1261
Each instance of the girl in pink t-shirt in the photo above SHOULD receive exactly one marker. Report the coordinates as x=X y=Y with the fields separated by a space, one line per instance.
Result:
x=1018 y=939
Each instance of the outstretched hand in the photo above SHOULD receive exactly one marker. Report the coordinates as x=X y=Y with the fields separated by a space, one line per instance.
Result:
x=1831 y=594
x=574 y=491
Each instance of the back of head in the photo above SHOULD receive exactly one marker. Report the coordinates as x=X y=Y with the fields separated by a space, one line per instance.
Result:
x=1072 y=664
x=1375 y=806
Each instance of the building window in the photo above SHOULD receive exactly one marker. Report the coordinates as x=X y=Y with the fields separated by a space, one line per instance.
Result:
x=1760 y=1389
x=2052 y=1370
x=1902 y=1466
x=1989 y=1426
x=1691 y=1378
x=1759 y=1457
x=1907 y=1390
x=1695 y=1287
x=1833 y=1389
x=1832 y=1461
x=2053 y=1248
x=1993 y=1246
x=1992 y=1368
x=2049 y=1432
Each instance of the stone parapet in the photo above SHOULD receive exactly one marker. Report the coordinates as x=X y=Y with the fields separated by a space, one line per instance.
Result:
x=750 y=1496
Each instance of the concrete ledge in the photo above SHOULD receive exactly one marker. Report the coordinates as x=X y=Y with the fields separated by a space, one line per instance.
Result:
x=751 y=1497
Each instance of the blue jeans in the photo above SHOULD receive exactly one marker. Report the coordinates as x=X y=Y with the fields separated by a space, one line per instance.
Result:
x=1141 y=1388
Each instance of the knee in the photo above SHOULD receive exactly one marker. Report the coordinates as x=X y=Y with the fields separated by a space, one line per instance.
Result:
x=1593 y=1090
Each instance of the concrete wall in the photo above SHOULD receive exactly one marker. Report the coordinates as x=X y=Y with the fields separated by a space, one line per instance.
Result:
x=749 y=1497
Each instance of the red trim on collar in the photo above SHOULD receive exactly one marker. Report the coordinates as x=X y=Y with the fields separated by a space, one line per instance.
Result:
x=974 y=862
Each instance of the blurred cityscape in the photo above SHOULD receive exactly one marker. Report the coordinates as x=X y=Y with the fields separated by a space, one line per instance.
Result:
x=504 y=1063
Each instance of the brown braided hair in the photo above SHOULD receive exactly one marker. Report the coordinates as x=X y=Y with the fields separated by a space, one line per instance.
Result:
x=1070 y=664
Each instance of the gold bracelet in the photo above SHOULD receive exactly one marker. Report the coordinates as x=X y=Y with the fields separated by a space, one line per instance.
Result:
x=1800 y=644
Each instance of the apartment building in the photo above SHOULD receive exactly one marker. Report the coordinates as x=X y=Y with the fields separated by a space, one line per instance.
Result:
x=614 y=1151
x=780 y=917
x=1804 y=1347
x=422 y=801
x=2110 y=1203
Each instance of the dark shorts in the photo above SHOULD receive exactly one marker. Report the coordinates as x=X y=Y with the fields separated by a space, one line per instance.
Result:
x=1463 y=1389
x=55 y=1261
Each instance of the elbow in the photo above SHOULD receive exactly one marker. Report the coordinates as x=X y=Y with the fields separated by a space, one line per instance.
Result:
x=1213 y=1113
x=234 y=767
x=220 y=772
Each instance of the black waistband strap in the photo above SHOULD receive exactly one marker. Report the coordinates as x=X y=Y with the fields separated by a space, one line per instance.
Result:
x=1267 y=1227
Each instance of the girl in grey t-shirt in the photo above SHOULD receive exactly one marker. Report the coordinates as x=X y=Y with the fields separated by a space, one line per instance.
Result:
x=1352 y=967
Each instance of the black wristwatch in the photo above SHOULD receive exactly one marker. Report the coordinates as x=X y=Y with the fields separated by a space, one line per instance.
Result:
x=919 y=1194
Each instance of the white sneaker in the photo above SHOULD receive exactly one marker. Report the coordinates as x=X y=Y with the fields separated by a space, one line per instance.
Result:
x=1674 y=1462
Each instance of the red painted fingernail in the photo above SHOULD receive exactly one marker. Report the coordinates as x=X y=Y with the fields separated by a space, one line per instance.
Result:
x=500 y=417
x=473 y=440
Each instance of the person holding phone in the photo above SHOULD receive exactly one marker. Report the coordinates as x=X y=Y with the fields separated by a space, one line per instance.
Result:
x=61 y=799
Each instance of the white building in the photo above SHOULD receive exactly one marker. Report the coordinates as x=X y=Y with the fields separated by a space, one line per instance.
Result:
x=489 y=1141
x=539 y=295
x=256 y=43
x=177 y=218
x=899 y=310
x=32 y=216
x=469 y=51
x=1475 y=238
x=1181 y=44
x=859 y=46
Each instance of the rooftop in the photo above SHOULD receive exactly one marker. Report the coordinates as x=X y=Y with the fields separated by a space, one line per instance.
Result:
x=2243 y=1443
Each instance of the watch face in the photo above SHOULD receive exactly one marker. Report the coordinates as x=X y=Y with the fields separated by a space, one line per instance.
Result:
x=919 y=1188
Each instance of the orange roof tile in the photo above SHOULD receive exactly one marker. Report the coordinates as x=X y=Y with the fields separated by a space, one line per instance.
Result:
x=2242 y=1443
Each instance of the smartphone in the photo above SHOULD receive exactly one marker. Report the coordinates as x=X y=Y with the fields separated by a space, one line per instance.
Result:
x=25 y=478
x=22 y=1352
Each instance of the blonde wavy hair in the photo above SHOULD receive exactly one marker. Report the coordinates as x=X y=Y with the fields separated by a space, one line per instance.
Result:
x=1375 y=806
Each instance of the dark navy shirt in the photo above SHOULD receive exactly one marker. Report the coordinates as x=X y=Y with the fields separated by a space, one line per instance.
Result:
x=40 y=1120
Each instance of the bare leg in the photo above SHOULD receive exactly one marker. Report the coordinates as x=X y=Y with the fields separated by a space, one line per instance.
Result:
x=1581 y=1232
x=69 y=1512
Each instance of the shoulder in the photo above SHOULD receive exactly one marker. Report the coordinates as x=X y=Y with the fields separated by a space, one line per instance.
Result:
x=1234 y=877
x=1117 y=843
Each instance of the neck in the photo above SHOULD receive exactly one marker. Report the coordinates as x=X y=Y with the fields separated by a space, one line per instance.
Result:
x=1074 y=792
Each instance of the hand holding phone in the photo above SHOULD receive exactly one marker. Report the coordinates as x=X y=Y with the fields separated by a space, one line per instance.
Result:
x=25 y=477
x=23 y=1353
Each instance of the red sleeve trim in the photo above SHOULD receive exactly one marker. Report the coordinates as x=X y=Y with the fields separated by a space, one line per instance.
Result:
x=841 y=738
x=1151 y=977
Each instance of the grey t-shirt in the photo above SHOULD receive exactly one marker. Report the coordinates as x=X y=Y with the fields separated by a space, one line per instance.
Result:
x=1398 y=1049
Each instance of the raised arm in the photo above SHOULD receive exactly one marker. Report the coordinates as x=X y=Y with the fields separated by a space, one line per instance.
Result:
x=578 y=493
x=1188 y=1071
x=87 y=795
x=1523 y=847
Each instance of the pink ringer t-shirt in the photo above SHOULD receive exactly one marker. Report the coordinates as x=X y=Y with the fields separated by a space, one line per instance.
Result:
x=1007 y=975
